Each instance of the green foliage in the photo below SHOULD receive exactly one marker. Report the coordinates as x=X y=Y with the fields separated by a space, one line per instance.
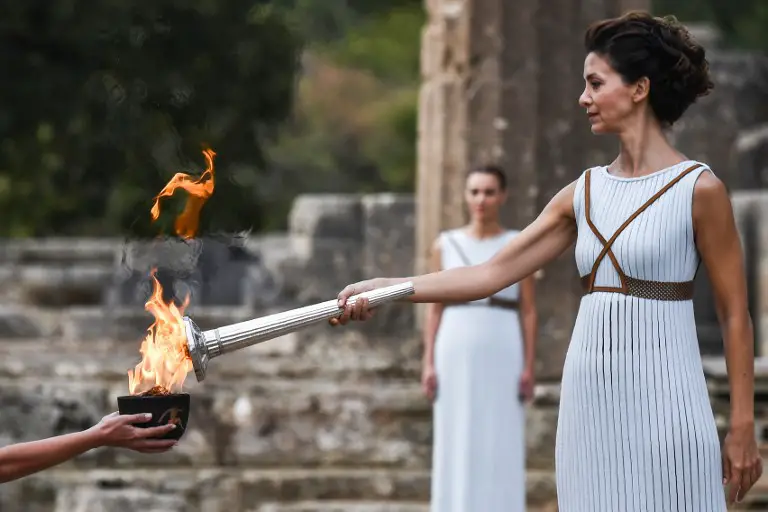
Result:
x=386 y=44
x=742 y=22
x=355 y=116
x=109 y=99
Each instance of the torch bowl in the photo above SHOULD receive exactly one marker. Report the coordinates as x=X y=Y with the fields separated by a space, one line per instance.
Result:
x=173 y=408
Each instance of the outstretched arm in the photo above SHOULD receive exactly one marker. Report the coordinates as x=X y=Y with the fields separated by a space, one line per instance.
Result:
x=717 y=240
x=23 y=459
x=553 y=231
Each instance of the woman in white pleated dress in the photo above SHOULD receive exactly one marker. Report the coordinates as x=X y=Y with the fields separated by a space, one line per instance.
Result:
x=478 y=367
x=636 y=431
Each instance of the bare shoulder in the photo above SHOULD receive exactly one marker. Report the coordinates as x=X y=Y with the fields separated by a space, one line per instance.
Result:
x=712 y=210
x=562 y=202
x=710 y=195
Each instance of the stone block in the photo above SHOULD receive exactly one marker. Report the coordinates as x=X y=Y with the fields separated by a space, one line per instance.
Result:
x=56 y=285
x=32 y=410
x=388 y=251
x=312 y=423
x=20 y=323
x=58 y=251
x=713 y=127
x=343 y=506
x=320 y=268
x=337 y=485
x=333 y=216
x=541 y=428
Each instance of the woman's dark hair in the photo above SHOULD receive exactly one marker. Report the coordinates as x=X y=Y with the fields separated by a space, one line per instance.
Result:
x=640 y=45
x=493 y=170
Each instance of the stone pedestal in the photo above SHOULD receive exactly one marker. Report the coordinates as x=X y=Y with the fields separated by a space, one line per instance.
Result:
x=501 y=82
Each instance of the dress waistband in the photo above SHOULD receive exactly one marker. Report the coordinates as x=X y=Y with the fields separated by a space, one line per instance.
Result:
x=493 y=302
x=654 y=290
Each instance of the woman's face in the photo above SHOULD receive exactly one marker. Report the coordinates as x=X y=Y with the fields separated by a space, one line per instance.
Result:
x=609 y=102
x=484 y=196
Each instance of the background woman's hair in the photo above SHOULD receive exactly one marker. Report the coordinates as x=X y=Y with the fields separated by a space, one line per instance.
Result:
x=640 y=45
x=493 y=170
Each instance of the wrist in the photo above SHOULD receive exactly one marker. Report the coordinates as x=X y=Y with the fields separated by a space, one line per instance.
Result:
x=93 y=437
x=742 y=422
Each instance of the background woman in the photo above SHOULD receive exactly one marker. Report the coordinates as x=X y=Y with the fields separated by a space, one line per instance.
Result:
x=636 y=430
x=478 y=367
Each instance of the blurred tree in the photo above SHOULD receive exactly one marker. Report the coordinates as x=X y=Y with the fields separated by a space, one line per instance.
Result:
x=355 y=119
x=104 y=101
x=742 y=22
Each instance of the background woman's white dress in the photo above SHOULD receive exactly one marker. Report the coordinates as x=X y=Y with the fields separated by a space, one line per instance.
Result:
x=478 y=460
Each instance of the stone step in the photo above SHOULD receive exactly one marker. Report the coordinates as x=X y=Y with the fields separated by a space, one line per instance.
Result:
x=221 y=490
x=53 y=285
x=344 y=506
x=217 y=489
x=58 y=251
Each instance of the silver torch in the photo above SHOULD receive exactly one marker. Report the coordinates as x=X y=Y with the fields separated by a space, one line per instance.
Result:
x=205 y=345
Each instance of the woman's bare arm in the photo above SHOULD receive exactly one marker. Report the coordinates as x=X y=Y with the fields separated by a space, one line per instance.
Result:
x=717 y=240
x=553 y=231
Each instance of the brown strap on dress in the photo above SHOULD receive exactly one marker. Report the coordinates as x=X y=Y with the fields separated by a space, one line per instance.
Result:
x=629 y=285
x=495 y=302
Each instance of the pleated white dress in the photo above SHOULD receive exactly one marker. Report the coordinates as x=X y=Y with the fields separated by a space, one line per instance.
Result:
x=478 y=462
x=636 y=432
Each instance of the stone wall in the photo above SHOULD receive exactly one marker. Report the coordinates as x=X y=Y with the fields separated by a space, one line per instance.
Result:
x=322 y=420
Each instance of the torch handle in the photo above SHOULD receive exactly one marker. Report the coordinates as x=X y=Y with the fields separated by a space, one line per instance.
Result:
x=236 y=336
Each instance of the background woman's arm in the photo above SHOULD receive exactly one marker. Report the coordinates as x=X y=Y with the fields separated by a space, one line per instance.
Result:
x=434 y=311
x=529 y=320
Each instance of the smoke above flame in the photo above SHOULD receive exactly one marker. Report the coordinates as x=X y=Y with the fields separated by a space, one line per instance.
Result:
x=165 y=360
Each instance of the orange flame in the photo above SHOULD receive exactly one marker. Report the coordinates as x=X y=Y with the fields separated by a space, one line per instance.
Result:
x=165 y=362
x=199 y=191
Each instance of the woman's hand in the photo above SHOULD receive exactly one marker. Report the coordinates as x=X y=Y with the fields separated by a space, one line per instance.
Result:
x=118 y=430
x=526 y=385
x=359 y=310
x=742 y=465
x=429 y=381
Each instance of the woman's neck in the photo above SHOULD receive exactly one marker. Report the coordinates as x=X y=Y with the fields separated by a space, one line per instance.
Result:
x=644 y=150
x=483 y=229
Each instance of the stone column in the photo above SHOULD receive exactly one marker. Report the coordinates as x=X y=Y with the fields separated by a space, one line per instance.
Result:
x=501 y=82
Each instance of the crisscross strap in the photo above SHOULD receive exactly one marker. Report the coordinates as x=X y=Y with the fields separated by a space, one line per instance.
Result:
x=629 y=285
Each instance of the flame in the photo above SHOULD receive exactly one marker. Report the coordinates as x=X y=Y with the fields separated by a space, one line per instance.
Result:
x=165 y=362
x=199 y=191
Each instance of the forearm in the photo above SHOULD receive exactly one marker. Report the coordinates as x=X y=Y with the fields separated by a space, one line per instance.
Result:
x=23 y=459
x=530 y=332
x=739 y=354
x=431 y=326
x=460 y=284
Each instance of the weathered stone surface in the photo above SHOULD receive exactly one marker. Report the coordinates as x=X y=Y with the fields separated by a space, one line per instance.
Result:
x=320 y=268
x=64 y=285
x=34 y=410
x=328 y=216
x=19 y=323
x=719 y=128
x=388 y=249
x=60 y=250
